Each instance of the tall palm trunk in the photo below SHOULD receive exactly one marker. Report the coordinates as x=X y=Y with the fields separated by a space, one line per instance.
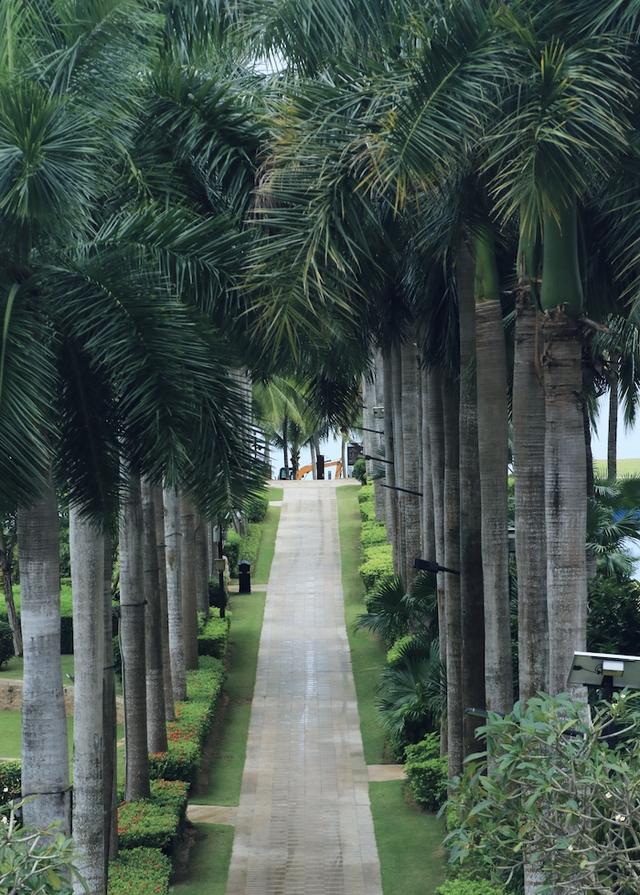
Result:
x=471 y=582
x=110 y=790
x=285 y=444
x=156 y=718
x=314 y=460
x=45 y=757
x=132 y=633
x=173 y=545
x=493 y=453
x=428 y=521
x=6 y=562
x=87 y=585
x=158 y=509
x=343 y=457
x=437 y=456
x=453 y=608
x=565 y=459
x=612 y=433
x=381 y=493
x=391 y=499
x=398 y=454
x=188 y=583
x=202 y=589
x=529 y=466
x=410 y=448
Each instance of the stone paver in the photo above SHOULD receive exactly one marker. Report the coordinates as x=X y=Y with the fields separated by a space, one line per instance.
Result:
x=383 y=773
x=212 y=814
x=304 y=824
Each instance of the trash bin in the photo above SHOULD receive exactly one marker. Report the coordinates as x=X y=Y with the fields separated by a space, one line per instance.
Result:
x=244 y=577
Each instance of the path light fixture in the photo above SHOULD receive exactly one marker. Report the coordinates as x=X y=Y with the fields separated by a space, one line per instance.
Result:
x=606 y=672
x=404 y=490
x=378 y=459
x=427 y=565
x=345 y=431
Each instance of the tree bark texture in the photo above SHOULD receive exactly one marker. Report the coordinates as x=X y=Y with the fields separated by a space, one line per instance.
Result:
x=173 y=545
x=437 y=454
x=529 y=465
x=453 y=609
x=391 y=497
x=132 y=635
x=565 y=495
x=411 y=449
x=428 y=522
x=45 y=756
x=87 y=585
x=398 y=453
x=612 y=432
x=188 y=583
x=109 y=723
x=471 y=583
x=156 y=718
x=493 y=452
x=158 y=509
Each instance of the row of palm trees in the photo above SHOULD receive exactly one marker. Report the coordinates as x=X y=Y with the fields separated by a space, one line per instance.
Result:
x=456 y=184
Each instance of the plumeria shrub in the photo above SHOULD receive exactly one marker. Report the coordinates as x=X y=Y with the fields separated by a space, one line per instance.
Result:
x=10 y=780
x=31 y=861
x=562 y=794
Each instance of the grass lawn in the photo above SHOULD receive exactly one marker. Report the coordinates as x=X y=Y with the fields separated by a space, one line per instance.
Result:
x=367 y=654
x=227 y=764
x=14 y=669
x=409 y=842
x=625 y=467
x=208 y=862
x=267 y=546
x=276 y=493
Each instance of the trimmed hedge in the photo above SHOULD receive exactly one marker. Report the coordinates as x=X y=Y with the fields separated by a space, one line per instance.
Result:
x=193 y=722
x=10 y=780
x=427 y=773
x=140 y=871
x=377 y=565
x=470 y=887
x=214 y=637
x=365 y=493
x=373 y=533
x=6 y=642
x=154 y=822
x=237 y=548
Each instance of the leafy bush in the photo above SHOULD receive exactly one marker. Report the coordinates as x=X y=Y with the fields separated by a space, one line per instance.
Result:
x=427 y=774
x=10 y=780
x=377 y=566
x=232 y=551
x=34 y=861
x=360 y=470
x=6 y=643
x=368 y=510
x=613 y=624
x=560 y=789
x=411 y=694
x=194 y=718
x=365 y=493
x=154 y=822
x=470 y=887
x=395 y=655
x=372 y=534
x=237 y=548
x=258 y=508
x=214 y=637
x=140 y=871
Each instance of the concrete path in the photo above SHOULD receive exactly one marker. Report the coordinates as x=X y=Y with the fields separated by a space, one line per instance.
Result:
x=304 y=823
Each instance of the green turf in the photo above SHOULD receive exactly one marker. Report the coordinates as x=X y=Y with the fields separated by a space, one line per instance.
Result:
x=66 y=600
x=367 y=653
x=227 y=764
x=276 y=493
x=208 y=862
x=409 y=842
x=11 y=733
x=625 y=467
x=14 y=669
x=267 y=546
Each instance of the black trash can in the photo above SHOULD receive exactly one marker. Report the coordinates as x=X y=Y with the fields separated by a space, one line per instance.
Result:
x=244 y=577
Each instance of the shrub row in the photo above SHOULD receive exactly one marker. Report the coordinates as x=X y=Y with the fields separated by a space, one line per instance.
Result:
x=193 y=722
x=427 y=773
x=140 y=871
x=239 y=547
x=373 y=533
x=214 y=637
x=258 y=508
x=377 y=566
x=154 y=822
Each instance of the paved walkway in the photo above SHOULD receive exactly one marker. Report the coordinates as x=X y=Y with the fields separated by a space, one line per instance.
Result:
x=304 y=823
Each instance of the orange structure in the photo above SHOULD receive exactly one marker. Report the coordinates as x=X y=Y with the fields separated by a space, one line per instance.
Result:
x=309 y=468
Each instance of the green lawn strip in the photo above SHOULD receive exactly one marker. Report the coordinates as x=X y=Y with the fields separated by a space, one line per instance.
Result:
x=227 y=763
x=209 y=861
x=266 y=550
x=625 y=467
x=14 y=669
x=276 y=493
x=367 y=653
x=409 y=842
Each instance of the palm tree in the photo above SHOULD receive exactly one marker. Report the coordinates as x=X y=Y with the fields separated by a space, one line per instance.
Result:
x=188 y=582
x=87 y=545
x=156 y=716
x=173 y=540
